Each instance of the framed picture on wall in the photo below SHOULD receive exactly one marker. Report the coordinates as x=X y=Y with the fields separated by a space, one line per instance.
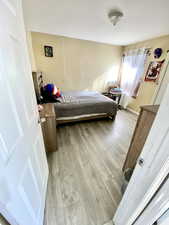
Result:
x=48 y=51
x=153 y=71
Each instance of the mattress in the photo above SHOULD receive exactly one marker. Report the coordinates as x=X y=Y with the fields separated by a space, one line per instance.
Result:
x=78 y=103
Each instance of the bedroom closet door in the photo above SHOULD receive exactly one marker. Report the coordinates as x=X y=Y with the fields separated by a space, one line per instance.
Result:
x=150 y=172
x=23 y=164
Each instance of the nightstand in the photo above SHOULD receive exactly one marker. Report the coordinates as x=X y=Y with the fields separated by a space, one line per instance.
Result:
x=48 y=124
x=114 y=96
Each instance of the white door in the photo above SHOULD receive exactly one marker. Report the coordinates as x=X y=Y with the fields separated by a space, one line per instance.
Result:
x=157 y=207
x=164 y=219
x=149 y=175
x=23 y=164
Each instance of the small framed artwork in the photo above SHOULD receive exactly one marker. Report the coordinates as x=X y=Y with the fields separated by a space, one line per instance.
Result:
x=48 y=51
x=153 y=71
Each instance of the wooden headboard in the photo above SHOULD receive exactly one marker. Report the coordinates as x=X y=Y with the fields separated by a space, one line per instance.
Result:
x=38 y=82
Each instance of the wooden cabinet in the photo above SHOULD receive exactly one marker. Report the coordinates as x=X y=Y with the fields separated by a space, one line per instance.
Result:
x=143 y=126
x=48 y=123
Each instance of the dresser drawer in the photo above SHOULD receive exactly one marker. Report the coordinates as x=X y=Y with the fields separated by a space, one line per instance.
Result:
x=48 y=124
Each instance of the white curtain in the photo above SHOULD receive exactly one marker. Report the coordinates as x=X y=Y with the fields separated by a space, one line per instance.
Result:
x=132 y=71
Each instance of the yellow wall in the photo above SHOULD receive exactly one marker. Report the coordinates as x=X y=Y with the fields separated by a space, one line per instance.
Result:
x=77 y=64
x=87 y=65
x=147 y=89
x=30 y=50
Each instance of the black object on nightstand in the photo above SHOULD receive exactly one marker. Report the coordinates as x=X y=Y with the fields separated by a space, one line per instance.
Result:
x=114 y=95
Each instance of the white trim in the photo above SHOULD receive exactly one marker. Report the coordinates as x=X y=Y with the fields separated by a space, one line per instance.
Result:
x=154 y=153
x=157 y=208
x=155 y=185
x=164 y=219
x=132 y=111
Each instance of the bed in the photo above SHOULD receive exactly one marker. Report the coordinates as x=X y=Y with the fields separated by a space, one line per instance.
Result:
x=78 y=105
x=84 y=105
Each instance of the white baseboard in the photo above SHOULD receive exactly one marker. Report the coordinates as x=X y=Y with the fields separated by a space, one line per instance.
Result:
x=131 y=110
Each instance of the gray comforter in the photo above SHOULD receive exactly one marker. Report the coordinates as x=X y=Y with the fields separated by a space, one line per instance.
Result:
x=77 y=103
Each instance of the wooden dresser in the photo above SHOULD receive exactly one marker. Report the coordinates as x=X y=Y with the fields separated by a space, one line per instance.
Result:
x=143 y=126
x=48 y=124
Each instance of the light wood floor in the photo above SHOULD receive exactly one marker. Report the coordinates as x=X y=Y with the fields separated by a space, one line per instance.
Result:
x=85 y=174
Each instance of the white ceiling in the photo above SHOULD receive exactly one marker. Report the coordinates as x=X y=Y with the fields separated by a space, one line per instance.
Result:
x=87 y=19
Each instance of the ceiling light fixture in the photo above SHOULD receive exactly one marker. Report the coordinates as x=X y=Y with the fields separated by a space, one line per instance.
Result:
x=114 y=16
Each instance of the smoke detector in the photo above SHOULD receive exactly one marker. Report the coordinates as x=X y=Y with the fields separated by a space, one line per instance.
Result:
x=114 y=16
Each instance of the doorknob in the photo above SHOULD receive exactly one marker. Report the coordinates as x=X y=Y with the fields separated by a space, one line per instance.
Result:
x=141 y=161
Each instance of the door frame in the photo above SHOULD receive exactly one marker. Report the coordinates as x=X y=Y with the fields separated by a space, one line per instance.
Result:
x=154 y=187
x=164 y=219
x=158 y=206
x=151 y=192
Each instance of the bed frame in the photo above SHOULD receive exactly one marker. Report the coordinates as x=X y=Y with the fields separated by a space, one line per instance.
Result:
x=38 y=84
x=85 y=118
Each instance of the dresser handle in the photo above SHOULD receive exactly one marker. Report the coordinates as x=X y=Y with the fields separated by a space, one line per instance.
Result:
x=141 y=162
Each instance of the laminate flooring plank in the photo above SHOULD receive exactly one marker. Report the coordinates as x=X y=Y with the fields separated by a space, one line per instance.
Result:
x=90 y=191
x=85 y=173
